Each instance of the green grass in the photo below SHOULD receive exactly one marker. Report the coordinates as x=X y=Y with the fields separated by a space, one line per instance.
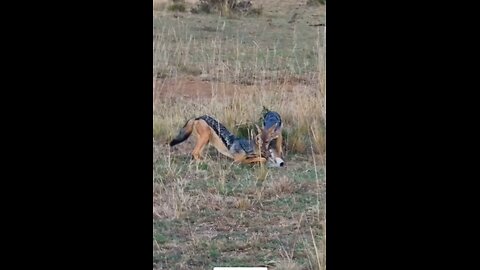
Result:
x=177 y=7
x=273 y=44
x=215 y=230
x=214 y=213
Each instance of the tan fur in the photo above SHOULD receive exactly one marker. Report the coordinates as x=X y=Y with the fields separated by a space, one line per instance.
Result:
x=267 y=135
x=206 y=135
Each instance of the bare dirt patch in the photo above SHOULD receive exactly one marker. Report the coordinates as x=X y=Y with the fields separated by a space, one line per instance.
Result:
x=190 y=87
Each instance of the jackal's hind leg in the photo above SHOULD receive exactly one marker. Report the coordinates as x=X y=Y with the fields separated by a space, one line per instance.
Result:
x=202 y=141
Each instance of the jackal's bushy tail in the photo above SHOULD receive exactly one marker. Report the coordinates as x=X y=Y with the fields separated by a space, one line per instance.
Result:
x=184 y=133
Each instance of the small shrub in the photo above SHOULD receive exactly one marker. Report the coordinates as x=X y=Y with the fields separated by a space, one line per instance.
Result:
x=201 y=7
x=316 y=2
x=255 y=11
x=207 y=6
x=228 y=8
x=163 y=73
x=180 y=7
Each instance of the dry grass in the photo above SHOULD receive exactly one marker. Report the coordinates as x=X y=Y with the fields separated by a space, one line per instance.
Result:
x=200 y=222
x=241 y=79
x=214 y=213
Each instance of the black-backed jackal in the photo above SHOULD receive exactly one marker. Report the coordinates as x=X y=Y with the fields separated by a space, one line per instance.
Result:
x=271 y=136
x=208 y=130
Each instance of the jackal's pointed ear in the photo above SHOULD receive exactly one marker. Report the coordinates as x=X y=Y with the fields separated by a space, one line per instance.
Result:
x=274 y=132
x=258 y=137
x=258 y=140
x=271 y=130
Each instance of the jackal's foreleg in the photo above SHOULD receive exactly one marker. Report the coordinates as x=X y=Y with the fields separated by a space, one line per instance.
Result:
x=240 y=158
x=254 y=160
x=279 y=145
